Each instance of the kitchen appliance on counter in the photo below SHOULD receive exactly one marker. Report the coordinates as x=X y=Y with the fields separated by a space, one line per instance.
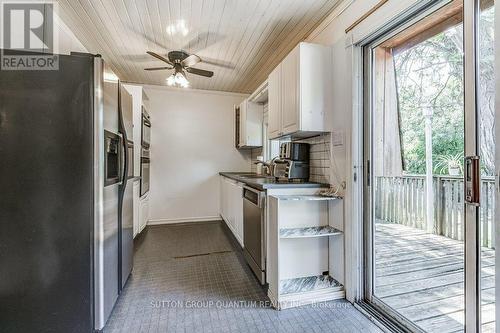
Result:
x=64 y=163
x=294 y=151
x=287 y=170
x=293 y=164
x=254 y=228
x=145 y=152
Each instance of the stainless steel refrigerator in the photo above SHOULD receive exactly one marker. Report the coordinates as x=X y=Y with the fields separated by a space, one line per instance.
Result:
x=65 y=249
x=126 y=198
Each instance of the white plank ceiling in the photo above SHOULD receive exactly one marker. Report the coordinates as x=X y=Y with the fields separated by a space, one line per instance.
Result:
x=247 y=38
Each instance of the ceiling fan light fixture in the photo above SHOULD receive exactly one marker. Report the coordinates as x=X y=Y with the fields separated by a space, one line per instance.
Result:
x=181 y=80
x=177 y=79
x=171 y=80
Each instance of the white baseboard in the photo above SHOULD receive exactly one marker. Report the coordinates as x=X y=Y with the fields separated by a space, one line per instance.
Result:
x=184 y=220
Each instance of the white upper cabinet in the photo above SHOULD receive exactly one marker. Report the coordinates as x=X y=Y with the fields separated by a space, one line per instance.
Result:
x=274 y=103
x=300 y=92
x=290 y=117
x=250 y=124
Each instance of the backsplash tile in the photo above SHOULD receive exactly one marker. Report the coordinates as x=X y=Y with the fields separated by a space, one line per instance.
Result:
x=319 y=158
x=255 y=152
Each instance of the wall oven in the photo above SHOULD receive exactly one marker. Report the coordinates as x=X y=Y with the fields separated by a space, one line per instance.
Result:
x=146 y=129
x=145 y=167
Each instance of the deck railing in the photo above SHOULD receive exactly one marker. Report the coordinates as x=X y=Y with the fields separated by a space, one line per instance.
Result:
x=401 y=200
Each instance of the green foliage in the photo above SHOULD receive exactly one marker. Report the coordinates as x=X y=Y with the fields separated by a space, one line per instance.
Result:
x=430 y=76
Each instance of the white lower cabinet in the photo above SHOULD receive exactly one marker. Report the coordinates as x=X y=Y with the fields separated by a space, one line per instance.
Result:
x=136 y=190
x=237 y=209
x=231 y=206
x=143 y=212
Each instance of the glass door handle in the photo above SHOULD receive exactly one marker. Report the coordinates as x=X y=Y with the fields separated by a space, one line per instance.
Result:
x=472 y=179
x=497 y=181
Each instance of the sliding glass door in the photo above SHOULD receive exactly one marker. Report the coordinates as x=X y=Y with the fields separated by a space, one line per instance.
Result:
x=430 y=160
x=486 y=136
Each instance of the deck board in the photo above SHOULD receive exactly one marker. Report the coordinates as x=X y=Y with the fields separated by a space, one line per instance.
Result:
x=421 y=276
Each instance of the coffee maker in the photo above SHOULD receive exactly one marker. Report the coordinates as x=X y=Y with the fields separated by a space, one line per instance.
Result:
x=293 y=163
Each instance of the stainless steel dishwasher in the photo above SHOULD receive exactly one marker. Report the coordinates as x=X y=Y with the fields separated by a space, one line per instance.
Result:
x=254 y=231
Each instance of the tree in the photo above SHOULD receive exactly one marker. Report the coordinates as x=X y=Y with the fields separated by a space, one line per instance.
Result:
x=430 y=74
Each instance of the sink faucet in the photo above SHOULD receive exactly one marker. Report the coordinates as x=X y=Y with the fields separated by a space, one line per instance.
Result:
x=269 y=165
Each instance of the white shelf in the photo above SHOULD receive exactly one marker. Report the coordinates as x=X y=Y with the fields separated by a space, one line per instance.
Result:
x=307 y=232
x=308 y=290
x=314 y=197
x=309 y=284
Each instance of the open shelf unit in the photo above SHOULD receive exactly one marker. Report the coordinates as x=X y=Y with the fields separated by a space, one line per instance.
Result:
x=306 y=249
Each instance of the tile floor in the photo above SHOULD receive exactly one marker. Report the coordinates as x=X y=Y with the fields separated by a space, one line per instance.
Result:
x=193 y=278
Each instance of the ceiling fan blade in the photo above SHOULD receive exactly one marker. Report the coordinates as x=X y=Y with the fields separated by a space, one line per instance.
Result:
x=157 y=68
x=142 y=35
x=202 y=41
x=201 y=72
x=138 y=57
x=219 y=63
x=157 y=56
x=192 y=60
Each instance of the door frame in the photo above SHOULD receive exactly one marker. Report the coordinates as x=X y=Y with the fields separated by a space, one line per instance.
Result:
x=471 y=215
x=471 y=212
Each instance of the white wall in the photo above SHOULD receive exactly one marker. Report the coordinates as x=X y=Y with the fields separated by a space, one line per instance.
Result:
x=192 y=140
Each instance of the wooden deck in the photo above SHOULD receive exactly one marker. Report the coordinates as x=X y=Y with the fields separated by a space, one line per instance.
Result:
x=422 y=277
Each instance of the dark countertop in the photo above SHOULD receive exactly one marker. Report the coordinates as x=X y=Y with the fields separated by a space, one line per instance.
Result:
x=267 y=182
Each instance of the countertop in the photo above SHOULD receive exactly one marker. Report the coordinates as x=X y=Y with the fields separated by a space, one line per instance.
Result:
x=266 y=182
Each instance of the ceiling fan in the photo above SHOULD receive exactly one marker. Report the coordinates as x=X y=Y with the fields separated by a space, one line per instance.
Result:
x=181 y=62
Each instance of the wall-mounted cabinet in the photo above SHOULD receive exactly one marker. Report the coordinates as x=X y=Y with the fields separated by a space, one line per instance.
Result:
x=300 y=92
x=248 y=124
x=274 y=103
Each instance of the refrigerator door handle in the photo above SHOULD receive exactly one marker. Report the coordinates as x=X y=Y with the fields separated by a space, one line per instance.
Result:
x=124 y=141
x=123 y=159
